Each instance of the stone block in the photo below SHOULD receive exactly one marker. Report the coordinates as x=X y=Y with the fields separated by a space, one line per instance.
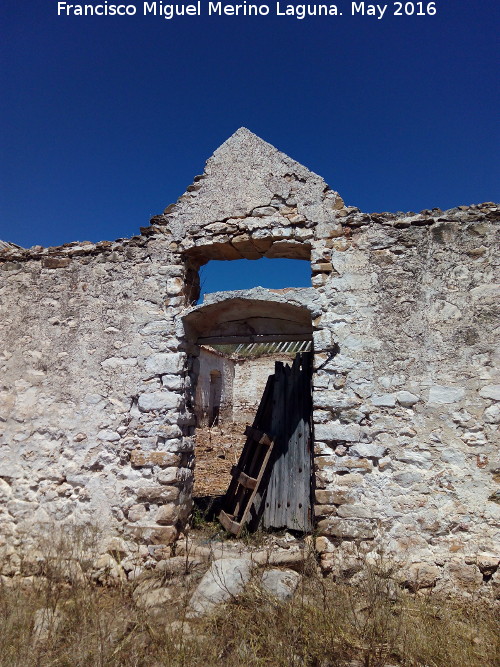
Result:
x=337 y=431
x=164 y=535
x=167 y=515
x=280 y=584
x=487 y=563
x=385 y=463
x=55 y=262
x=464 y=576
x=5 y=490
x=384 y=400
x=422 y=575
x=323 y=339
x=490 y=391
x=139 y=458
x=108 y=436
x=136 y=513
x=367 y=450
x=226 y=578
x=165 y=363
x=327 y=497
x=406 y=399
x=172 y=382
x=407 y=478
x=440 y=394
x=158 y=400
x=158 y=494
x=323 y=545
x=334 y=400
x=355 y=511
x=261 y=211
x=347 y=464
x=363 y=529
x=492 y=414
x=168 y=475
x=174 y=286
x=322 y=511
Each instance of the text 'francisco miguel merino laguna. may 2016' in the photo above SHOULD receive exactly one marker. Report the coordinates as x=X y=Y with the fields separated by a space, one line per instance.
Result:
x=204 y=8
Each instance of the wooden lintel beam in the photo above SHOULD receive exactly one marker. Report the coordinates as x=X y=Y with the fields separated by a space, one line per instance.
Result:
x=252 y=338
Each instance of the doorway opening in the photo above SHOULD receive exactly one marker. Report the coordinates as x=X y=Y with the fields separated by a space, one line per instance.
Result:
x=241 y=340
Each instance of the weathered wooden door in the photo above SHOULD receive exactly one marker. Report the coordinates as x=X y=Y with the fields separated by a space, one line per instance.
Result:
x=287 y=498
x=272 y=481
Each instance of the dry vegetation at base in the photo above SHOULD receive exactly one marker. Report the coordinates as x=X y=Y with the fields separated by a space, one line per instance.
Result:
x=326 y=624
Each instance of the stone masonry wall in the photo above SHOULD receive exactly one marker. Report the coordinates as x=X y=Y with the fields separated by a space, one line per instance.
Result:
x=92 y=393
x=96 y=402
x=406 y=410
x=250 y=378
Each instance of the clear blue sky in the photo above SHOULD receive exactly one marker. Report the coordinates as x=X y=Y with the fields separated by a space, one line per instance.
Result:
x=105 y=121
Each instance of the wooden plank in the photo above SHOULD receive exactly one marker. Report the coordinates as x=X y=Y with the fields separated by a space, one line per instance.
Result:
x=243 y=479
x=272 y=514
x=228 y=523
x=246 y=513
x=259 y=436
x=288 y=496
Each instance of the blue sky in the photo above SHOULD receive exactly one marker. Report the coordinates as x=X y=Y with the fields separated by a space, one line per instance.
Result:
x=105 y=121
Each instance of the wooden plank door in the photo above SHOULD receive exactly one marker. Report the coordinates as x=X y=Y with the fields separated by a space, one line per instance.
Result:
x=287 y=500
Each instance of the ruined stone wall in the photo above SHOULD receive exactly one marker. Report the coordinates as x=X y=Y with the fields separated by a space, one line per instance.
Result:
x=250 y=378
x=406 y=410
x=209 y=361
x=97 y=372
x=92 y=401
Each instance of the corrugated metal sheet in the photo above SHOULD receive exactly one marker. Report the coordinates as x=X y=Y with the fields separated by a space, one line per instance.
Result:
x=5 y=245
x=259 y=349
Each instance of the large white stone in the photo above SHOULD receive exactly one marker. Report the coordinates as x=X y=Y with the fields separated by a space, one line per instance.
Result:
x=441 y=394
x=335 y=431
x=491 y=391
x=108 y=436
x=384 y=400
x=158 y=400
x=117 y=362
x=335 y=400
x=486 y=291
x=368 y=450
x=226 y=578
x=354 y=512
x=406 y=399
x=281 y=584
x=165 y=363
x=492 y=414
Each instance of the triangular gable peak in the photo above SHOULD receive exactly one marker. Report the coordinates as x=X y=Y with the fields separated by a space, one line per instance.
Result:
x=250 y=190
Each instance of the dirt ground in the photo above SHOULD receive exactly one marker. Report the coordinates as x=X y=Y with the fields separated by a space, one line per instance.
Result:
x=217 y=449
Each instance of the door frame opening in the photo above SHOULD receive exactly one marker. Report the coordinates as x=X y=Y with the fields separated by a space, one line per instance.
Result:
x=255 y=317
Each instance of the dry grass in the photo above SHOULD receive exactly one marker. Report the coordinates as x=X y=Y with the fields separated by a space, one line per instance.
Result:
x=327 y=623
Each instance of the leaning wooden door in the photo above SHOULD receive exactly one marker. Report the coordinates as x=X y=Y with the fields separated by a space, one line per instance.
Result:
x=287 y=498
x=272 y=483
